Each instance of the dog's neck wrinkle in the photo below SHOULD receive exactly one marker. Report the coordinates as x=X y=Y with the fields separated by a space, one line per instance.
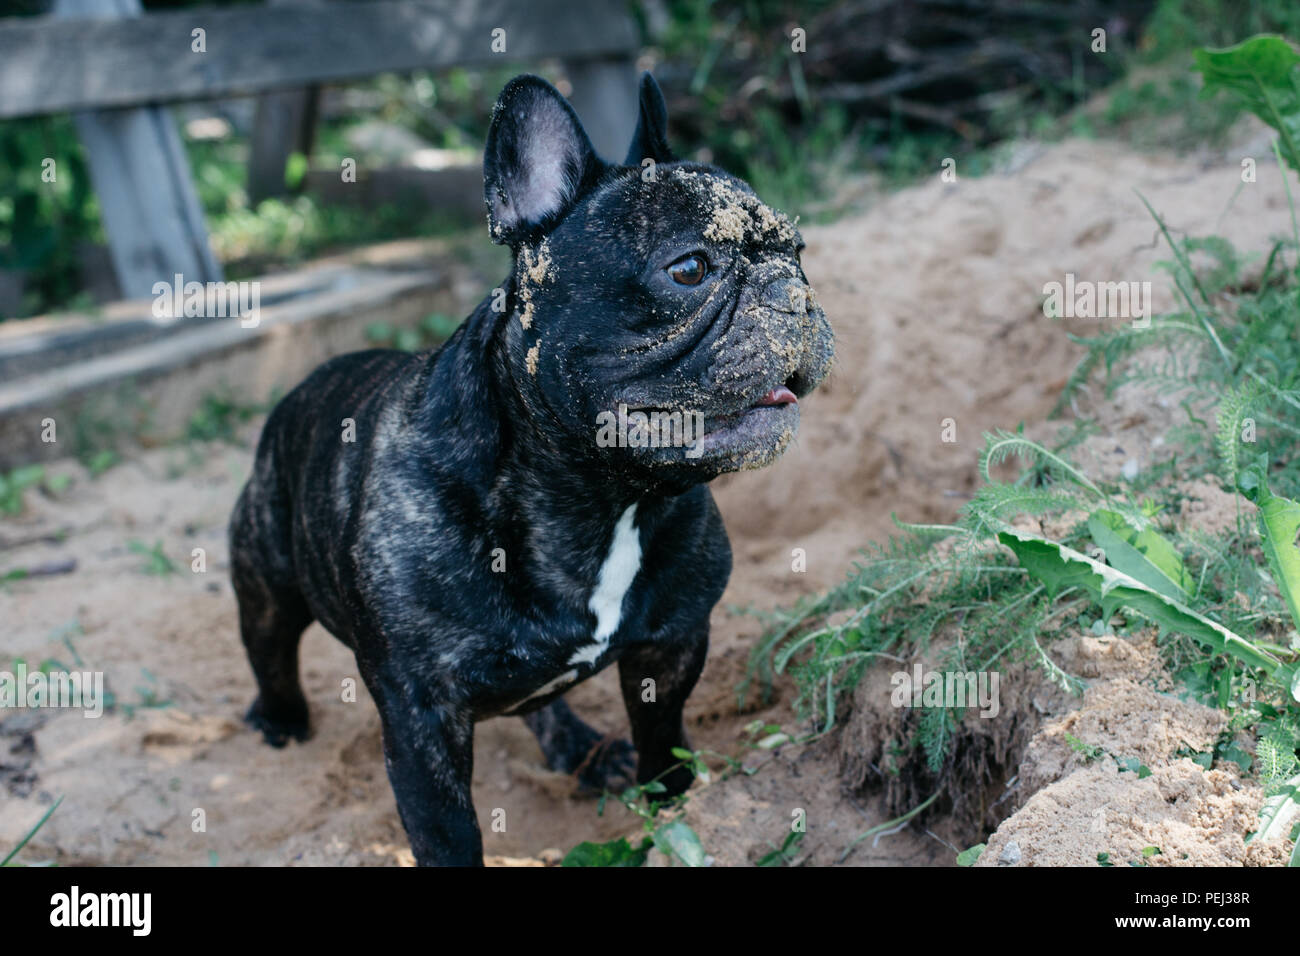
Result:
x=547 y=496
x=564 y=514
x=567 y=517
x=539 y=492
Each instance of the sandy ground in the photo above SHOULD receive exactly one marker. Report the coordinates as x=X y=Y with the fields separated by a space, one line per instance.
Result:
x=1081 y=810
x=935 y=297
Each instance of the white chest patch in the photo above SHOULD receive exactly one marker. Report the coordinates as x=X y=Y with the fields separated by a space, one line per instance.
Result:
x=616 y=574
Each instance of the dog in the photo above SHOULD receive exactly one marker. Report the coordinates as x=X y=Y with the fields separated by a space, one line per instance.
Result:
x=489 y=523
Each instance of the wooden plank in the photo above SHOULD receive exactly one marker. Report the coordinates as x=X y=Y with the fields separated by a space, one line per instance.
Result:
x=285 y=123
x=50 y=65
x=606 y=99
x=141 y=175
x=171 y=375
x=358 y=291
x=456 y=191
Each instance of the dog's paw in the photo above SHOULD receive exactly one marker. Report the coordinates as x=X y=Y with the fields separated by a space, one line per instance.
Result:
x=278 y=728
x=609 y=765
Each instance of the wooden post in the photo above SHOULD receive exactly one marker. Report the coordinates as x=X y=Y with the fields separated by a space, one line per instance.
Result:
x=285 y=123
x=141 y=175
x=605 y=98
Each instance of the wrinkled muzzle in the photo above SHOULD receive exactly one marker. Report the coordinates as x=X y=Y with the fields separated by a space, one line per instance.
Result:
x=778 y=336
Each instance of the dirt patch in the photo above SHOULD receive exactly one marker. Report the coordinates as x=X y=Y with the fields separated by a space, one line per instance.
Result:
x=972 y=789
x=1194 y=817
x=746 y=818
x=1112 y=782
x=934 y=299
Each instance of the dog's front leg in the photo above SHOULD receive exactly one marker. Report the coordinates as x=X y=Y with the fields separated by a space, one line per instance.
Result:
x=429 y=755
x=656 y=679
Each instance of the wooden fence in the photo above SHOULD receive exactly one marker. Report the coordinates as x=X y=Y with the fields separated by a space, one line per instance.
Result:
x=115 y=68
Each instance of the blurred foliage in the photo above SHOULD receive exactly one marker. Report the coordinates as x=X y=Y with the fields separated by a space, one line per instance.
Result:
x=1176 y=27
x=434 y=329
x=251 y=239
x=882 y=87
x=1157 y=104
x=43 y=223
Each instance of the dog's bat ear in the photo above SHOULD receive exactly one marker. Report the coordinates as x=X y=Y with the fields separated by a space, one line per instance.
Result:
x=650 y=141
x=538 y=159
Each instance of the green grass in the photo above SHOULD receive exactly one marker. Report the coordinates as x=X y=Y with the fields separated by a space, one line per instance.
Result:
x=219 y=416
x=1158 y=103
x=156 y=562
x=9 y=857
x=15 y=484
x=433 y=329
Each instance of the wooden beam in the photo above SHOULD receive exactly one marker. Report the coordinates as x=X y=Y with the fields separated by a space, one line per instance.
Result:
x=285 y=123
x=606 y=100
x=141 y=175
x=51 y=65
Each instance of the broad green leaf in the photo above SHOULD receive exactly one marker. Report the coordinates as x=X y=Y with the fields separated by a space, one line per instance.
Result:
x=678 y=840
x=615 y=853
x=1058 y=567
x=1277 y=813
x=1279 y=527
x=1263 y=73
x=1237 y=754
x=968 y=857
x=295 y=170
x=1144 y=555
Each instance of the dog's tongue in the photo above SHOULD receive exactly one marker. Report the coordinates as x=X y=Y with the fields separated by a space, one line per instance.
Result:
x=779 y=396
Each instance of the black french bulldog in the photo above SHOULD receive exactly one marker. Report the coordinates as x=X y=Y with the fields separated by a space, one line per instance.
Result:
x=467 y=521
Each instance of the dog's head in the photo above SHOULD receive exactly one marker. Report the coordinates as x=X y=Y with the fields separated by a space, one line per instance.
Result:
x=659 y=316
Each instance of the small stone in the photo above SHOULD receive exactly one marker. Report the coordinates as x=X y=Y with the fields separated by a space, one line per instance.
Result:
x=1010 y=854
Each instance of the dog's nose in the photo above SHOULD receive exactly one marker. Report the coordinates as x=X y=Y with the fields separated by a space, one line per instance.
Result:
x=786 y=294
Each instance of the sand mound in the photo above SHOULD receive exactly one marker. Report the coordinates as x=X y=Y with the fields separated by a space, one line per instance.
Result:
x=1194 y=817
x=1137 y=789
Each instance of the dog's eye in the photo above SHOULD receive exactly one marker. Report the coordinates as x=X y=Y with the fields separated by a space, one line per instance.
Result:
x=688 y=270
